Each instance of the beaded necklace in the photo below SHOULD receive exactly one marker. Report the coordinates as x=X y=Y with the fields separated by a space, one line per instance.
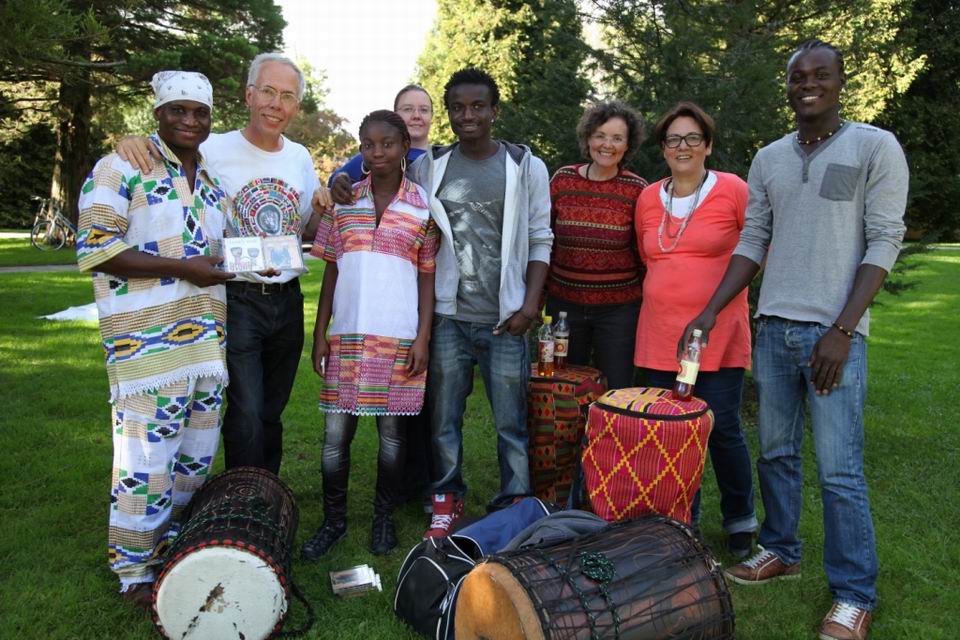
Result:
x=668 y=211
x=821 y=138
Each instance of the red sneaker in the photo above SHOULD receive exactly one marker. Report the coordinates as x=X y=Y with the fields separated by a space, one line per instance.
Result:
x=447 y=510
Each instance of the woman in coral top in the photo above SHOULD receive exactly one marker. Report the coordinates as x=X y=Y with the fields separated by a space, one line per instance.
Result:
x=595 y=272
x=687 y=226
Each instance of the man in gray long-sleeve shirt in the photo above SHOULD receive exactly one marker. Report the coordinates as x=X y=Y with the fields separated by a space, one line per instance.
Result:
x=826 y=211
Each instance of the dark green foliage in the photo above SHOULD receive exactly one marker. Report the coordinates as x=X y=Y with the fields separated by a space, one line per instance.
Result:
x=926 y=120
x=27 y=161
x=94 y=57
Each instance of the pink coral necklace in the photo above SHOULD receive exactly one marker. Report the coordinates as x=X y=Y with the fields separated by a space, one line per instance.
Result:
x=668 y=212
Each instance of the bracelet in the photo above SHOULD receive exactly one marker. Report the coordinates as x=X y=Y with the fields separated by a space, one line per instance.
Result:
x=839 y=327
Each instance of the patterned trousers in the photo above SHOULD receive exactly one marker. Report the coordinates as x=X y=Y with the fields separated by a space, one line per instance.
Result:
x=164 y=442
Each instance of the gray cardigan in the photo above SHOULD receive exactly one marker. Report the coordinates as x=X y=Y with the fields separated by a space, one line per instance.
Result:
x=526 y=225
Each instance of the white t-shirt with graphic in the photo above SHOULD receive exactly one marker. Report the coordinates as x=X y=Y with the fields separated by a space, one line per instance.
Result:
x=271 y=191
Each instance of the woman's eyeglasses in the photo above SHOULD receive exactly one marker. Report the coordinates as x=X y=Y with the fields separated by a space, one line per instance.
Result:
x=408 y=110
x=692 y=140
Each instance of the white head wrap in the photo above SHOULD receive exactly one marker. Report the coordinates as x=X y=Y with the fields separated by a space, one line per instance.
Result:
x=181 y=85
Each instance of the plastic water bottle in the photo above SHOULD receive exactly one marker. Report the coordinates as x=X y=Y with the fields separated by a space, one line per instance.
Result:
x=545 y=352
x=689 y=367
x=561 y=339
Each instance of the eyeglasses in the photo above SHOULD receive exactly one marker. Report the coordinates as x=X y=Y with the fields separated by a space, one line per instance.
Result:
x=268 y=93
x=409 y=110
x=692 y=140
x=602 y=138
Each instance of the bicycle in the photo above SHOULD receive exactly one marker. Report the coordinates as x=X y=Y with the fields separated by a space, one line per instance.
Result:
x=51 y=233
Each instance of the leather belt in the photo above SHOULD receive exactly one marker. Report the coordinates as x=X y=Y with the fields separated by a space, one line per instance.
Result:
x=267 y=288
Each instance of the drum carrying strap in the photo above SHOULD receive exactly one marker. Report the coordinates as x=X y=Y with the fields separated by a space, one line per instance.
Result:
x=311 y=615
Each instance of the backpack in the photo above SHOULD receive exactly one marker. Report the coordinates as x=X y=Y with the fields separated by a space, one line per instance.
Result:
x=431 y=574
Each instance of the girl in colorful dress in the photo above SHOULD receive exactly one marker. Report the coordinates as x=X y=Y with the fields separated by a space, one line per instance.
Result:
x=378 y=287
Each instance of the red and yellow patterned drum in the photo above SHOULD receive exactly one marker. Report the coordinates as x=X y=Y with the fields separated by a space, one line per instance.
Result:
x=645 y=453
x=556 y=417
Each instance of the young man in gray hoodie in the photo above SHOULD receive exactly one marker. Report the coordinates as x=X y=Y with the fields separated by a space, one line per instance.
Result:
x=491 y=203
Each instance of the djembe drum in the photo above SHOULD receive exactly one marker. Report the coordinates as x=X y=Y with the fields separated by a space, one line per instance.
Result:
x=645 y=453
x=556 y=418
x=228 y=572
x=646 y=579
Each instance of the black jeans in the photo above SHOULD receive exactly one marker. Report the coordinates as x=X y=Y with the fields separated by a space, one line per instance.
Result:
x=335 y=463
x=418 y=466
x=608 y=332
x=722 y=391
x=264 y=343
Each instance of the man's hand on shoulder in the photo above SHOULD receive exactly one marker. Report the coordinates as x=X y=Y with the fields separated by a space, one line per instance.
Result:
x=342 y=189
x=203 y=272
x=322 y=200
x=138 y=151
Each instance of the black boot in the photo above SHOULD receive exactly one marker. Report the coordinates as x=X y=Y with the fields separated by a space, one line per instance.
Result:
x=383 y=535
x=339 y=430
x=329 y=534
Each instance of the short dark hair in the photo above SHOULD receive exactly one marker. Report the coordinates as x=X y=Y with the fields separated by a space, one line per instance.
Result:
x=814 y=43
x=389 y=117
x=407 y=89
x=471 y=75
x=597 y=115
x=685 y=110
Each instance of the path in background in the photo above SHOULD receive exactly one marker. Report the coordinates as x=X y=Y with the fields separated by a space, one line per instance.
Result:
x=40 y=267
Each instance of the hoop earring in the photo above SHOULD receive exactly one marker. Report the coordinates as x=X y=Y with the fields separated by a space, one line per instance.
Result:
x=363 y=169
x=403 y=165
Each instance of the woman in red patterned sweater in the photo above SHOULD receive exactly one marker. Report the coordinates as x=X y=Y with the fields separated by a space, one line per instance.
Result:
x=595 y=271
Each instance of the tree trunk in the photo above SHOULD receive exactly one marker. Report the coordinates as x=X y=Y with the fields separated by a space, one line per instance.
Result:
x=72 y=160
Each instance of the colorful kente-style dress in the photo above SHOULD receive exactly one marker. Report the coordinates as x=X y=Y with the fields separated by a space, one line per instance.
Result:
x=164 y=343
x=375 y=305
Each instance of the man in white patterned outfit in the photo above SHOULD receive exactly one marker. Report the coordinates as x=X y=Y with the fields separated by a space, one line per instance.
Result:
x=153 y=242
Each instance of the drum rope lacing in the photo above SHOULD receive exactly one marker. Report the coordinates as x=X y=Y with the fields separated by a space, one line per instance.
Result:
x=598 y=567
x=210 y=515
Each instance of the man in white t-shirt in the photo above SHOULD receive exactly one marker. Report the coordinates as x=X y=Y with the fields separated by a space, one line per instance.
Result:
x=272 y=183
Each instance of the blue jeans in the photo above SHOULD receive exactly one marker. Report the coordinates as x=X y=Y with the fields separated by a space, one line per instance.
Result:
x=607 y=332
x=723 y=391
x=264 y=343
x=455 y=347
x=783 y=383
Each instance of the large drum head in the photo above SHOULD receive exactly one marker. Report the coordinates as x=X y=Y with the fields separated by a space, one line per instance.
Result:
x=220 y=592
x=493 y=605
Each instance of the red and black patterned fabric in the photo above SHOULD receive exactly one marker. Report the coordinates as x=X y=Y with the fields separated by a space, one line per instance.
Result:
x=595 y=258
x=556 y=416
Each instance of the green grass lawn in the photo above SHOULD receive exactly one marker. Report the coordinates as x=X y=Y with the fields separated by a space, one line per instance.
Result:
x=18 y=252
x=54 y=581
